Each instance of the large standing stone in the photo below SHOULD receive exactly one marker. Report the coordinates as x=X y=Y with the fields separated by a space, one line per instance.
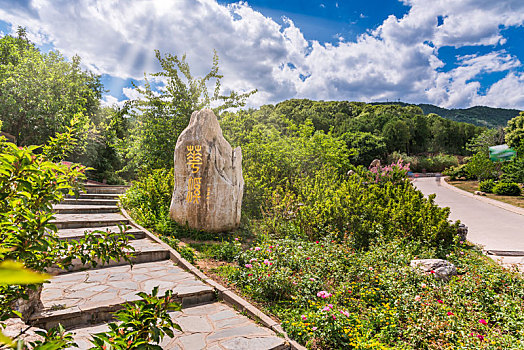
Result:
x=208 y=177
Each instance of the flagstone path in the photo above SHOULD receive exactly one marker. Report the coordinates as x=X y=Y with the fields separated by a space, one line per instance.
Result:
x=83 y=299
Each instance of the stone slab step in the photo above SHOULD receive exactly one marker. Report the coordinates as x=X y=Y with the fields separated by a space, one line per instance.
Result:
x=83 y=195
x=88 y=220
x=144 y=250
x=81 y=201
x=77 y=233
x=208 y=326
x=105 y=189
x=84 y=209
x=89 y=297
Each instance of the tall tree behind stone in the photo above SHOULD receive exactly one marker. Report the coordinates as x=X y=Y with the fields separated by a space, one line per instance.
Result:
x=159 y=116
x=208 y=177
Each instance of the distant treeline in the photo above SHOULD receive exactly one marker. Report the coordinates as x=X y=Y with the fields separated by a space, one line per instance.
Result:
x=478 y=115
x=374 y=130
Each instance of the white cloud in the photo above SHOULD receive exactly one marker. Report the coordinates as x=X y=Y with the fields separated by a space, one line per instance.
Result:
x=398 y=59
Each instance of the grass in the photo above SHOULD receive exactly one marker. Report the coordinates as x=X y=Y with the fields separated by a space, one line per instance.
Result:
x=472 y=186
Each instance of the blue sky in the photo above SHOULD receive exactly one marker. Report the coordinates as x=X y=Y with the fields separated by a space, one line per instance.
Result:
x=452 y=53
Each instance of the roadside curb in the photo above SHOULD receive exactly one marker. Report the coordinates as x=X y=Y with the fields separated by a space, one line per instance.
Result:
x=493 y=202
x=225 y=294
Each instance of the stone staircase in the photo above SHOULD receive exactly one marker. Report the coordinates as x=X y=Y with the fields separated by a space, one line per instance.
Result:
x=82 y=299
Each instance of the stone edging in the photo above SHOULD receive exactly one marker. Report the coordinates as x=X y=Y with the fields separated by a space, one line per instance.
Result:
x=224 y=293
x=493 y=202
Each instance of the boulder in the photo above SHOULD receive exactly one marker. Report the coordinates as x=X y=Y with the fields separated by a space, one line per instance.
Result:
x=442 y=269
x=208 y=177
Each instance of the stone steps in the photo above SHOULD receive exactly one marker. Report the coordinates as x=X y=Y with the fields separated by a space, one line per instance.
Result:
x=88 y=220
x=83 y=301
x=77 y=233
x=84 y=209
x=144 y=250
x=208 y=326
x=87 y=297
x=82 y=201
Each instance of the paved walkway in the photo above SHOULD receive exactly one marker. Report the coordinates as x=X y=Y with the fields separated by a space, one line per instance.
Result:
x=490 y=226
x=83 y=299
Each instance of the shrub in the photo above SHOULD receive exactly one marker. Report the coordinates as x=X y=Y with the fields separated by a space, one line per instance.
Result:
x=487 y=186
x=356 y=207
x=507 y=189
x=148 y=200
x=457 y=173
x=480 y=167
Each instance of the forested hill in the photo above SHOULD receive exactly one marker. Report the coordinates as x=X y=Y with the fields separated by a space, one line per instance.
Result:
x=478 y=115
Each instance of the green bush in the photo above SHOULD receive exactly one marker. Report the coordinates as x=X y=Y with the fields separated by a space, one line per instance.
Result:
x=487 y=186
x=328 y=204
x=148 y=200
x=480 y=167
x=457 y=173
x=507 y=189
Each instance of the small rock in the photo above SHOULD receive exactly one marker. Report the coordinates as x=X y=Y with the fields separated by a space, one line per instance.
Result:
x=442 y=269
x=462 y=231
x=375 y=163
x=480 y=193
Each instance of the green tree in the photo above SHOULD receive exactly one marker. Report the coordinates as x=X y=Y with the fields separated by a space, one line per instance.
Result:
x=158 y=117
x=40 y=93
x=397 y=136
x=515 y=131
x=366 y=145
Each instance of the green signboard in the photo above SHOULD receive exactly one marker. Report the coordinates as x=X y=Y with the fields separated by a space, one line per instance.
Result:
x=501 y=153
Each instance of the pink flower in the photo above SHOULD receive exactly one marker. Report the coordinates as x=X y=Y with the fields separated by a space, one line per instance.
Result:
x=326 y=308
x=299 y=247
x=294 y=283
x=323 y=294
x=334 y=317
x=266 y=262
x=370 y=268
x=314 y=328
x=316 y=242
x=303 y=317
x=481 y=337
x=345 y=313
x=450 y=313
x=440 y=301
x=236 y=238
x=423 y=285
x=253 y=260
x=248 y=266
x=257 y=248
x=312 y=279
x=483 y=321
x=418 y=298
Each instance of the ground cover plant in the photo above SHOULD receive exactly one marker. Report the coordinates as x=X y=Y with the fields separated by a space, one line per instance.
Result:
x=329 y=296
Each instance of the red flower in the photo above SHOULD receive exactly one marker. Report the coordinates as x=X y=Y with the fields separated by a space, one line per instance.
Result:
x=483 y=321
x=481 y=337
x=440 y=301
x=450 y=313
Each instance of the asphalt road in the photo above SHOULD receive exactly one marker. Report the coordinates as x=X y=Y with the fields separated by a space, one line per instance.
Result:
x=492 y=227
